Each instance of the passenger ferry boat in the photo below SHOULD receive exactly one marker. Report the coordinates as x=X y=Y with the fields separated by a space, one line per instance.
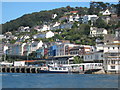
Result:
x=56 y=70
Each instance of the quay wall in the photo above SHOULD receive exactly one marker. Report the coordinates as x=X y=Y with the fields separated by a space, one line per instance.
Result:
x=20 y=69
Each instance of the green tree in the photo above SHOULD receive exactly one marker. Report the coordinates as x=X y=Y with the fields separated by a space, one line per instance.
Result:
x=78 y=60
x=100 y=23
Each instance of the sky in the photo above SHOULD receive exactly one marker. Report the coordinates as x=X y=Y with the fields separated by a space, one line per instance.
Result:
x=13 y=10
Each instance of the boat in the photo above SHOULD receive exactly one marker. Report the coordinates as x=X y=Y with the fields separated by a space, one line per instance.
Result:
x=56 y=70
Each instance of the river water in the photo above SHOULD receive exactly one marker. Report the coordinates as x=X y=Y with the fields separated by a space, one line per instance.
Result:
x=29 y=80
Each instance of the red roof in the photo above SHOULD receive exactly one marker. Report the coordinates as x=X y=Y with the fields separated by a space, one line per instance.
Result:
x=29 y=61
x=73 y=11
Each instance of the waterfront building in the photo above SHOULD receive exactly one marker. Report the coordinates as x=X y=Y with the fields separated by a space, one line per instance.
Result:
x=40 y=52
x=52 y=50
x=112 y=58
x=112 y=54
x=62 y=49
x=27 y=49
x=94 y=57
x=36 y=45
x=16 y=49
x=1 y=50
x=80 y=50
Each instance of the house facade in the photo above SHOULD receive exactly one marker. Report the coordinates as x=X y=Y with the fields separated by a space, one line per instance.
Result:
x=106 y=12
x=16 y=49
x=112 y=55
x=94 y=31
x=87 y=18
x=94 y=57
x=48 y=34
x=112 y=58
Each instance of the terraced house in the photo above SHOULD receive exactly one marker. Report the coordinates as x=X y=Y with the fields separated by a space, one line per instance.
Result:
x=112 y=55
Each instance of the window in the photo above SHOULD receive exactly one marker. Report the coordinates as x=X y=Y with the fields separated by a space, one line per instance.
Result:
x=108 y=62
x=64 y=68
x=118 y=62
x=112 y=67
x=60 y=68
x=112 y=62
x=101 y=55
x=55 y=68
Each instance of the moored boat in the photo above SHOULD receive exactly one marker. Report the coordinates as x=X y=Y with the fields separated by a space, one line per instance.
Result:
x=56 y=70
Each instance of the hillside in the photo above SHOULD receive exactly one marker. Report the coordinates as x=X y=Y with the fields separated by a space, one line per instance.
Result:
x=39 y=18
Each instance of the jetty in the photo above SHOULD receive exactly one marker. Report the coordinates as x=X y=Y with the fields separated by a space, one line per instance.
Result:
x=13 y=69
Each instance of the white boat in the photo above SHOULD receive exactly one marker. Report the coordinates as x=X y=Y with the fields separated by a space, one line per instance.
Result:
x=56 y=70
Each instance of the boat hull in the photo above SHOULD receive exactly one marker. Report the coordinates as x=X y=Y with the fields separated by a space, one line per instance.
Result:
x=46 y=71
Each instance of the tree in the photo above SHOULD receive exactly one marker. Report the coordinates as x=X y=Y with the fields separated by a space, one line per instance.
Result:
x=100 y=23
x=78 y=60
x=84 y=29
x=96 y=7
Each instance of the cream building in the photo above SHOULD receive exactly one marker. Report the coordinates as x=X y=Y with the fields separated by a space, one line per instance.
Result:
x=112 y=55
x=94 y=31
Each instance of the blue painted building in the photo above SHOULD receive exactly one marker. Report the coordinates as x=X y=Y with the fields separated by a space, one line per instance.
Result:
x=52 y=50
x=40 y=52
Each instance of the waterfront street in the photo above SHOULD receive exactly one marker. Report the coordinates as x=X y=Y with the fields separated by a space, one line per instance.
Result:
x=26 y=80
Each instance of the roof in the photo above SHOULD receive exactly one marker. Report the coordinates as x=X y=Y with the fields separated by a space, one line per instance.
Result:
x=73 y=11
x=75 y=48
x=117 y=39
x=118 y=28
x=28 y=61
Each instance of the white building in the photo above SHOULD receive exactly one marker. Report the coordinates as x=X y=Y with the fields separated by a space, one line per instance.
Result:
x=94 y=57
x=48 y=34
x=5 y=48
x=107 y=12
x=112 y=58
x=16 y=49
x=19 y=63
x=54 y=16
x=94 y=31
x=45 y=28
x=56 y=24
x=24 y=29
x=71 y=19
x=76 y=18
x=112 y=55
x=36 y=45
x=2 y=36
x=87 y=18
x=62 y=49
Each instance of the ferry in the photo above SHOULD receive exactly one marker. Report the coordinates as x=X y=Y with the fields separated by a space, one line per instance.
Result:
x=56 y=70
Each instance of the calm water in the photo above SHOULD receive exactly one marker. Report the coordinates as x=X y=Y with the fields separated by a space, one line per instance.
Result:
x=21 y=80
